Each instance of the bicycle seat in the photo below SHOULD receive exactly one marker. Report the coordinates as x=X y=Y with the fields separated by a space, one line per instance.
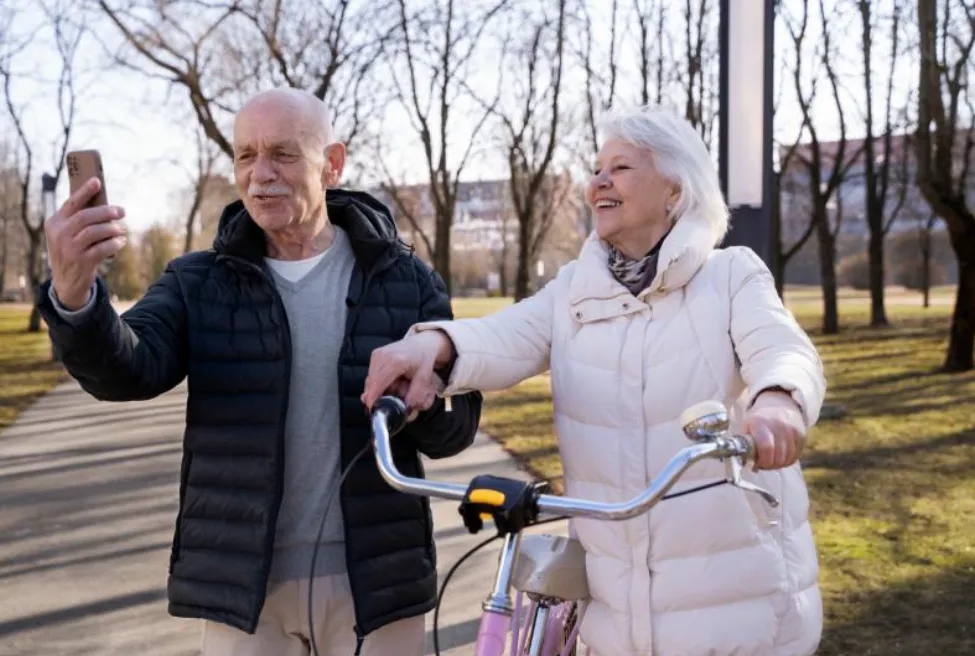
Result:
x=551 y=566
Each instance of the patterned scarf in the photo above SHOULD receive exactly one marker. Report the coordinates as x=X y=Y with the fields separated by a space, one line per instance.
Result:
x=635 y=275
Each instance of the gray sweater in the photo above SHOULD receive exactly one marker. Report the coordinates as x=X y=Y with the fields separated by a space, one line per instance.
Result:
x=315 y=305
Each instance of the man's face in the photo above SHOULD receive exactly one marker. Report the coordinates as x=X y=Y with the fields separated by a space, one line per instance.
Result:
x=283 y=163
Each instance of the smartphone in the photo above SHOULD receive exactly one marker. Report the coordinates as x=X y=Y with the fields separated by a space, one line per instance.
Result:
x=82 y=166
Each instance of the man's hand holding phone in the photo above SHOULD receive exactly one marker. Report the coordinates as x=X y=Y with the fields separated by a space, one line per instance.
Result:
x=79 y=239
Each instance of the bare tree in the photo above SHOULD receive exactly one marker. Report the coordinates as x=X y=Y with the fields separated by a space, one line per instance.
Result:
x=220 y=53
x=157 y=247
x=912 y=207
x=783 y=179
x=218 y=191
x=9 y=188
x=531 y=130
x=825 y=171
x=601 y=74
x=502 y=257
x=123 y=275
x=877 y=162
x=651 y=19
x=564 y=200
x=699 y=75
x=205 y=160
x=944 y=146
x=66 y=37
x=13 y=249
x=600 y=87
x=925 y=228
x=436 y=48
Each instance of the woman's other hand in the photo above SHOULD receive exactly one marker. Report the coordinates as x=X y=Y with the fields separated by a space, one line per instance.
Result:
x=406 y=369
x=778 y=428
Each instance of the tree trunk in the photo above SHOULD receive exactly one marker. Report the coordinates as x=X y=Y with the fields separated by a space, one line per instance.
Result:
x=3 y=255
x=778 y=261
x=188 y=240
x=34 y=278
x=827 y=271
x=523 y=271
x=441 y=258
x=503 y=269
x=926 y=267
x=961 y=344
x=878 y=314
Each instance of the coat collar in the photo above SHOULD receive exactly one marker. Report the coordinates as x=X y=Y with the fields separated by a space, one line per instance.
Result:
x=369 y=224
x=595 y=294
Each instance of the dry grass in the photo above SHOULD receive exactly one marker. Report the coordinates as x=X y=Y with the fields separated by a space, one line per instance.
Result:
x=26 y=370
x=892 y=483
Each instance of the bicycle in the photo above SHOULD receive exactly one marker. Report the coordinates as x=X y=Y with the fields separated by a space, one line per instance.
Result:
x=550 y=570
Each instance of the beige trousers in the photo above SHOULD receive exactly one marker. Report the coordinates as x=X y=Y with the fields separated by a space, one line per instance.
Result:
x=283 y=626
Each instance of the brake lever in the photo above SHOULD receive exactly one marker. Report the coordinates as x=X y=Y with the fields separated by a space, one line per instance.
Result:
x=733 y=468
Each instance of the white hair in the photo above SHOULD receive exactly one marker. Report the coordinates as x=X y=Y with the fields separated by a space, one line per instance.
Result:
x=679 y=154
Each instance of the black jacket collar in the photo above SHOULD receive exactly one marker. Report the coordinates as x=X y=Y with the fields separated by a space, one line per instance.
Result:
x=368 y=223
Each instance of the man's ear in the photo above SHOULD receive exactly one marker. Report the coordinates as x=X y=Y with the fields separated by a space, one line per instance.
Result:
x=334 y=164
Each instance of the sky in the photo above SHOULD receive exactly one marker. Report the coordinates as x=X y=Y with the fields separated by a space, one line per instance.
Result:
x=145 y=130
x=143 y=138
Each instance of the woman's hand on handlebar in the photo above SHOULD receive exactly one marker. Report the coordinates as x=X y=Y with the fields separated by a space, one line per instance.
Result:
x=406 y=369
x=776 y=425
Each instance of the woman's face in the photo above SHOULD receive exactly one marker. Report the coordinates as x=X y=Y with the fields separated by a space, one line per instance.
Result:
x=629 y=198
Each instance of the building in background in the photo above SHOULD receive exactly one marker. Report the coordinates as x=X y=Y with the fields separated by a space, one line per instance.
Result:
x=484 y=234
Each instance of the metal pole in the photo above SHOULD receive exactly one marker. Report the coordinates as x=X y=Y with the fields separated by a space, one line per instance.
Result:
x=49 y=185
x=723 y=82
x=750 y=226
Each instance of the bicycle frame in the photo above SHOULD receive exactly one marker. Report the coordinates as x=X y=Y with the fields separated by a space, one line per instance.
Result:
x=500 y=625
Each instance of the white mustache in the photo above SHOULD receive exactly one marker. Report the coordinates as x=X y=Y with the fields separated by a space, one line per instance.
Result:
x=255 y=190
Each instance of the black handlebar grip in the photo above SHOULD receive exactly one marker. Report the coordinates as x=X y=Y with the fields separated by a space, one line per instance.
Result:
x=395 y=411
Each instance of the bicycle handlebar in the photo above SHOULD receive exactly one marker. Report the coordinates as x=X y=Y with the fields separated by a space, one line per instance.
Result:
x=389 y=415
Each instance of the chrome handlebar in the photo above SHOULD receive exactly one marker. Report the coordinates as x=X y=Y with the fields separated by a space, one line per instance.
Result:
x=706 y=424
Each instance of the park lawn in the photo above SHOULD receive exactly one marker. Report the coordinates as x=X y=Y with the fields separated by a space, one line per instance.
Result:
x=892 y=483
x=26 y=370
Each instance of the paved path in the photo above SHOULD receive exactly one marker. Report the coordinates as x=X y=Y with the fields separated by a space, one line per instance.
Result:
x=87 y=504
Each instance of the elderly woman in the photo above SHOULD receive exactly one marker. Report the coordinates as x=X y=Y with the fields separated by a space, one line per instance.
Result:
x=650 y=319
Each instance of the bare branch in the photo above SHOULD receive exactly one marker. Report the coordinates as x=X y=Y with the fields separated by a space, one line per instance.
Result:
x=219 y=53
x=442 y=55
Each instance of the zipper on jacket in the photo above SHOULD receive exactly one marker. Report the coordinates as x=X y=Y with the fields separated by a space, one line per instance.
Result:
x=279 y=488
x=350 y=321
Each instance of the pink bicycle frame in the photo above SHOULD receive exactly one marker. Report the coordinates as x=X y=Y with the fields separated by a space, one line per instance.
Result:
x=503 y=619
x=493 y=634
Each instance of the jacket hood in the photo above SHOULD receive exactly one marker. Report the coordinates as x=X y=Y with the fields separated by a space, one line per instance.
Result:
x=368 y=222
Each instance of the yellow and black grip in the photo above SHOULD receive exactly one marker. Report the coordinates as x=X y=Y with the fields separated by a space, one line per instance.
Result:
x=512 y=504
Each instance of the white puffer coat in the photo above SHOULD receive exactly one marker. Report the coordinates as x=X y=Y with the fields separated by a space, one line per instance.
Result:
x=711 y=573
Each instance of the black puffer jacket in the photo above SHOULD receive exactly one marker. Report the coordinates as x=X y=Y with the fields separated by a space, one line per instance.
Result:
x=216 y=318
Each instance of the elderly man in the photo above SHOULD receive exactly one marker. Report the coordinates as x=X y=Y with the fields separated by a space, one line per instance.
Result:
x=274 y=327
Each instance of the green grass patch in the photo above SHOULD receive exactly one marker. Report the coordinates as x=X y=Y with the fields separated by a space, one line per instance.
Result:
x=471 y=308
x=26 y=370
x=892 y=483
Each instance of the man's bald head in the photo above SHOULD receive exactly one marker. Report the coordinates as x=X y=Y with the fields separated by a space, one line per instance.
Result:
x=310 y=113
x=285 y=156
